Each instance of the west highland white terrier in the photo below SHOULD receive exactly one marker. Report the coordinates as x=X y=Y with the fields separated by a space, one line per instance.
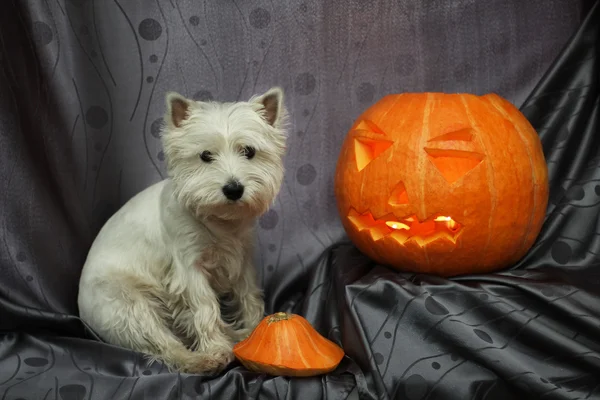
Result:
x=161 y=267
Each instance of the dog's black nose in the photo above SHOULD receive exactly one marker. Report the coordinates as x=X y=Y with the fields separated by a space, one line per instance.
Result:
x=233 y=190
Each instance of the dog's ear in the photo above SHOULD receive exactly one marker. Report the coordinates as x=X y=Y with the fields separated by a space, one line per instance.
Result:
x=272 y=101
x=177 y=108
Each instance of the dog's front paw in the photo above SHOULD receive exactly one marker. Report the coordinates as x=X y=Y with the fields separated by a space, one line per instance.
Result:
x=211 y=363
x=217 y=359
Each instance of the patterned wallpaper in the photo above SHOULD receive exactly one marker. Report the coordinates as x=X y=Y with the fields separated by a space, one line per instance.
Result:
x=93 y=75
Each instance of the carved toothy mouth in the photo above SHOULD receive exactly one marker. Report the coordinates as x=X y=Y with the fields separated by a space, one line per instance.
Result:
x=406 y=229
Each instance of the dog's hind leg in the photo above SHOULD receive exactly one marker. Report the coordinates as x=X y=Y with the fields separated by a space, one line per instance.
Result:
x=128 y=311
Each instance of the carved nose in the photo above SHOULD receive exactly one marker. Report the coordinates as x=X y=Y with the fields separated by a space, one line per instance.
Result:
x=233 y=190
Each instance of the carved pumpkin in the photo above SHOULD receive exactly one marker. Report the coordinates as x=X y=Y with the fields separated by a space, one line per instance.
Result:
x=286 y=344
x=438 y=183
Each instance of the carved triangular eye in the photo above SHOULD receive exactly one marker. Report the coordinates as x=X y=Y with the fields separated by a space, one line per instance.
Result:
x=367 y=125
x=464 y=134
x=366 y=150
x=399 y=195
x=453 y=164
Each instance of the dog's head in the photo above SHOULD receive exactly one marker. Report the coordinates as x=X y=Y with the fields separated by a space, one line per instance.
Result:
x=225 y=159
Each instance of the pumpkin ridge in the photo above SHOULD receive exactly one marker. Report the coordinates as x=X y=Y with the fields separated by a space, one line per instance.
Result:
x=315 y=345
x=275 y=336
x=401 y=124
x=398 y=98
x=490 y=176
x=362 y=186
x=533 y=175
x=284 y=334
x=260 y=342
x=425 y=133
x=299 y=350
x=380 y=119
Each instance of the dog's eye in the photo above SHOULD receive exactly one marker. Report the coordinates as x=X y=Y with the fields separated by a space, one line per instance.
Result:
x=206 y=156
x=249 y=152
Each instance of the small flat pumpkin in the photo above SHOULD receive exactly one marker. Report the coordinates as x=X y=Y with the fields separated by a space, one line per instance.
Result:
x=287 y=344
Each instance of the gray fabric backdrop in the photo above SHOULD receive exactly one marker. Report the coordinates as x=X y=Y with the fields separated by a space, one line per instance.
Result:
x=103 y=68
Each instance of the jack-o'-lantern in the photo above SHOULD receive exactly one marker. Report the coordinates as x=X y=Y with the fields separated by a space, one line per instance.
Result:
x=441 y=183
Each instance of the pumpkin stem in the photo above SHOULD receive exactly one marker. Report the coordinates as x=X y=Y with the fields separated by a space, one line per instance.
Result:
x=280 y=316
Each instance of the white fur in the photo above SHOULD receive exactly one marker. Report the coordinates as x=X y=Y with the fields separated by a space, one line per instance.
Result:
x=155 y=272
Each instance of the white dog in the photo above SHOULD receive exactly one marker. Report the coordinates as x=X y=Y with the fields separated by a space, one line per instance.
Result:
x=156 y=272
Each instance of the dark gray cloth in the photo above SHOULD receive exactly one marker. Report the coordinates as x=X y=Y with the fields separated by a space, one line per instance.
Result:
x=82 y=87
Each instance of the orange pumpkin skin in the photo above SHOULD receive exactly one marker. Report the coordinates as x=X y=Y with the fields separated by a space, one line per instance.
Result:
x=287 y=345
x=446 y=184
